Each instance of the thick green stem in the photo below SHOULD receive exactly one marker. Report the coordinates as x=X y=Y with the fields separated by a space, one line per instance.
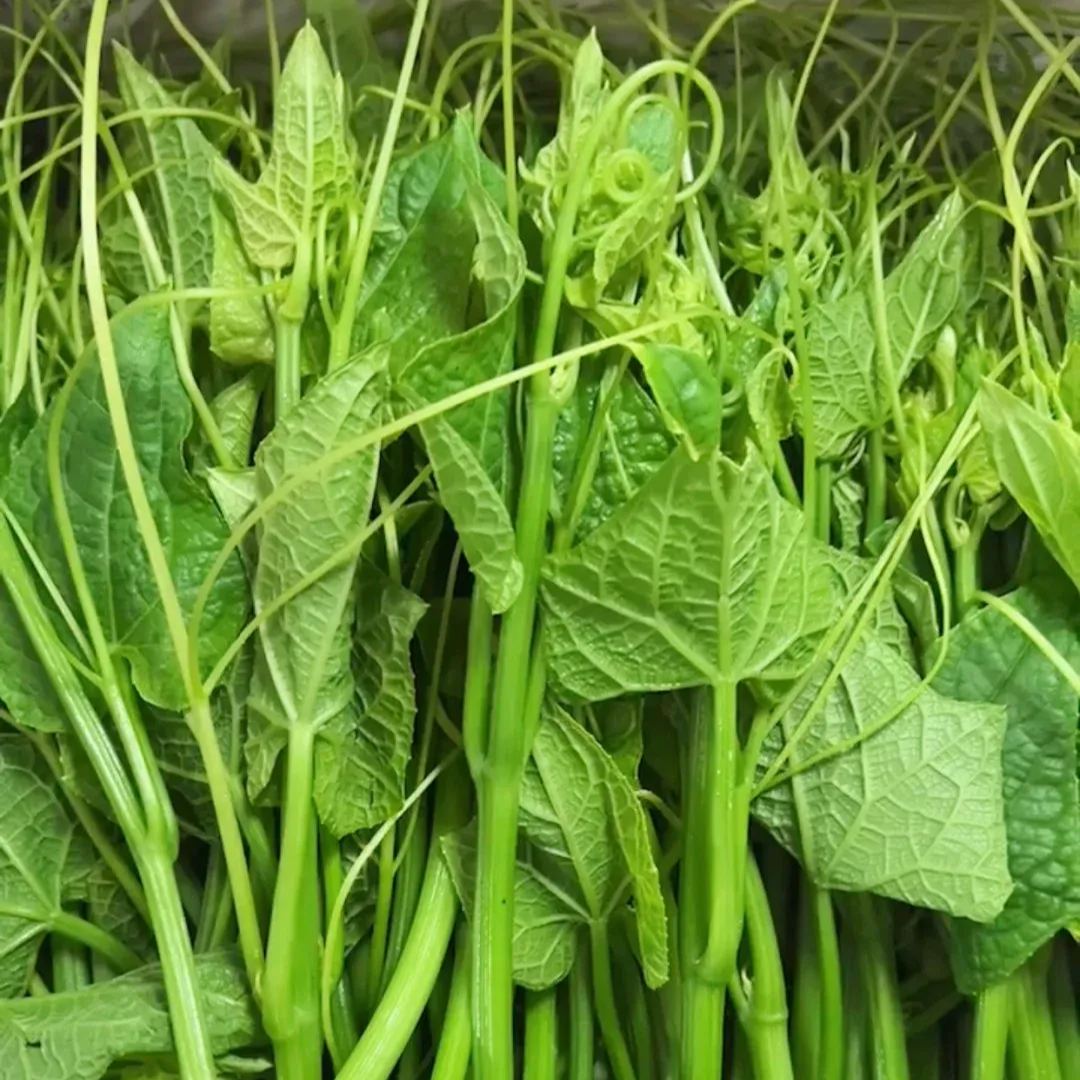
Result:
x=1063 y=1008
x=766 y=1022
x=728 y=802
x=639 y=1021
x=806 y=1007
x=455 y=1039
x=581 y=1065
x=876 y=482
x=189 y=1030
x=286 y=365
x=407 y=992
x=408 y=881
x=925 y=1053
x=541 y=1034
x=830 y=1059
x=70 y=964
x=291 y=1010
x=822 y=509
x=965 y=575
x=873 y=930
x=343 y=1032
x=607 y=1012
x=380 y=927
x=499 y=783
x=991 y=1033
x=232 y=844
x=701 y=1040
x=1032 y=1049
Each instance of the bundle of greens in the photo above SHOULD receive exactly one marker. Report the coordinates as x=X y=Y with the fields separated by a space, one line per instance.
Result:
x=523 y=559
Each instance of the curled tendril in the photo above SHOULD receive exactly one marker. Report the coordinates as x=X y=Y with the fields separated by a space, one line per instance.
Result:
x=625 y=175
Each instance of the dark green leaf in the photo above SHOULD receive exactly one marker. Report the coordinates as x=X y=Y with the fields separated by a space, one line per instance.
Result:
x=109 y=542
x=991 y=659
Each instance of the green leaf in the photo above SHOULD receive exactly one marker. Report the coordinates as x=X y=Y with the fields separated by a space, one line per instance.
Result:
x=241 y=331
x=847 y=392
x=79 y=1035
x=25 y=687
x=633 y=443
x=583 y=819
x=769 y=403
x=429 y=204
x=887 y=624
x=235 y=409
x=926 y=286
x=749 y=342
x=579 y=106
x=913 y=811
x=704 y=576
x=303 y=674
x=35 y=838
x=310 y=161
x=106 y=534
x=546 y=930
x=618 y=727
x=1039 y=462
x=182 y=163
x=89 y=881
x=687 y=393
x=990 y=659
x=361 y=754
x=468 y=446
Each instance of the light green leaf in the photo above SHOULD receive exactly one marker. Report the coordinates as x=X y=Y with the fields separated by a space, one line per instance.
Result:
x=235 y=491
x=914 y=811
x=887 y=624
x=769 y=402
x=926 y=286
x=310 y=161
x=1038 y=460
x=546 y=930
x=588 y=830
x=361 y=754
x=579 y=106
x=687 y=393
x=704 y=576
x=182 y=163
x=846 y=388
x=78 y=1035
x=235 y=409
x=990 y=659
x=107 y=536
x=35 y=838
x=303 y=674
x=241 y=331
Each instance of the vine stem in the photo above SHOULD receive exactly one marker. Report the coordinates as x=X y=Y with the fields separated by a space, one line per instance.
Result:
x=178 y=964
